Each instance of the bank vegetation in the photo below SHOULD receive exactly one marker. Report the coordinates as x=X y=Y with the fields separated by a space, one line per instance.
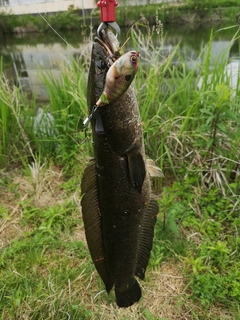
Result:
x=187 y=11
x=192 y=133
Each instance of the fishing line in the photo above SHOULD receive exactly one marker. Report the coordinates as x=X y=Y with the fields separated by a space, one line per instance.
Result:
x=64 y=40
x=68 y=44
x=57 y=32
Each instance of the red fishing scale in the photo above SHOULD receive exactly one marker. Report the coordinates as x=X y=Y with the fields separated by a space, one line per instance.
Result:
x=107 y=10
x=108 y=15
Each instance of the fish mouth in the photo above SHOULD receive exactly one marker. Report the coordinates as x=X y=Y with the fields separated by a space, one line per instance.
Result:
x=110 y=44
x=110 y=40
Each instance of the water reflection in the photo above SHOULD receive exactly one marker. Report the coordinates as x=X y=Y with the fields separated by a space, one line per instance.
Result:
x=31 y=59
x=22 y=63
x=231 y=76
x=24 y=56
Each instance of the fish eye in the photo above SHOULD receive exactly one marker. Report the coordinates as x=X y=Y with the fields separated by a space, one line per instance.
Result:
x=133 y=58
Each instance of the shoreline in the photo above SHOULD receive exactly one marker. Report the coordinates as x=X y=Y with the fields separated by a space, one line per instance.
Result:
x=72 y=20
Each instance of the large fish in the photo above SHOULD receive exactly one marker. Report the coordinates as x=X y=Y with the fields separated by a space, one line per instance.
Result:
x=118 y=212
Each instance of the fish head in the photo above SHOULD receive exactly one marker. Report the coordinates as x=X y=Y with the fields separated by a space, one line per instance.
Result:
x=127 y=63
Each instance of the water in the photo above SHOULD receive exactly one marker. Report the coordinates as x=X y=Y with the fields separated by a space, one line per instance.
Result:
x=24 y=55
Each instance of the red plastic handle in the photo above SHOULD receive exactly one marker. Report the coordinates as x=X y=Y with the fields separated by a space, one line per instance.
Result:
x=107 y=10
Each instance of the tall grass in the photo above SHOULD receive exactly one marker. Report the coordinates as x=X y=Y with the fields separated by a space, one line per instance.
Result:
x=67 y=96
x=68 y=106
x=13 y=139
x=190 y=130
x=5 y=116
x=57 y=131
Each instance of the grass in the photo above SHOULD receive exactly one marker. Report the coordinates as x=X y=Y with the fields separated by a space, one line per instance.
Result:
x=12 y=134
x=45 y=267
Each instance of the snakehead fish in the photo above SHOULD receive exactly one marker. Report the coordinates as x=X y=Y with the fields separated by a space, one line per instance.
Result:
x=118 y=212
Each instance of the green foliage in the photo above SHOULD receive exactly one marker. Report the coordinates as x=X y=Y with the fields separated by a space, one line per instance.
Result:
x=187 y=11
x=194 y=135
x=68 y=105
x=67 y=97
x=11 y=106
x=34 y=267
x=167 y=240
x=211 y=288
x=60 y=136
x=186 y=129
x=166 y=12
x=206 y=4
x=210 y=252
x=149 y=316
x=65 y=20
x=214 y=262
x=60 y=21
x=6 y=117
x=52 y=220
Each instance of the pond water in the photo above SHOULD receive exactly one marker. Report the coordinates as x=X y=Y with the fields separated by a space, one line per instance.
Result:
x=24 y=55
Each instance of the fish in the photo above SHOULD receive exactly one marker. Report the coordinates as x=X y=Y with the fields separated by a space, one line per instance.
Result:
x=119 y=77
x=118 y=210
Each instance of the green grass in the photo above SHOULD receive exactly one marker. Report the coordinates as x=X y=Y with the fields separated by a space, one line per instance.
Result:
x=12 y=133
x=6 y=115
x=60 y=21
x=188 y=11
x=45 y=267
x=186 y=126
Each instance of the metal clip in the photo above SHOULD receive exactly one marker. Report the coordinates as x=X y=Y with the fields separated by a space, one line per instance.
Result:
x=90 y=117
x=94 y=115
x=105 y=25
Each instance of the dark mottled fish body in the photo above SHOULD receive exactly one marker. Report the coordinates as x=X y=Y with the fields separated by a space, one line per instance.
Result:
x=118 y=214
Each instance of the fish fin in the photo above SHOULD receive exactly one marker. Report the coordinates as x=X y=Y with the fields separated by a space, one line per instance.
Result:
x=146 y=238
x=98 y=124
x=104 y=98
x=137 y=169
x=152 y=169
x=92 y=223
x=130 y=296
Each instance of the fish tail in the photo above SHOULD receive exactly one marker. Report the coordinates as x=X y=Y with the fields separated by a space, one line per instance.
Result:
x=128 y=297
